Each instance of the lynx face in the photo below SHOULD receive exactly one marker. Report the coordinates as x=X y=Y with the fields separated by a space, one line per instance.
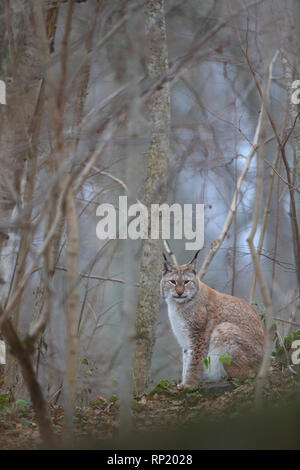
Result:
x=179 y=283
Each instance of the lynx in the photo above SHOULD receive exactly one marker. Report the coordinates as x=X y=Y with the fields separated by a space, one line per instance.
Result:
x=207 y=323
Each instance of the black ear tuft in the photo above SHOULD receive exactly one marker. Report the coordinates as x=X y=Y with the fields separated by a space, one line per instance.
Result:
x=193 y=262
x=165 y=258
x=195 y=257
x=167 y=267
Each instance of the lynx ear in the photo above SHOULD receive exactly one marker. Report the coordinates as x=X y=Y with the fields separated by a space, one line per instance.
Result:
x=193 y=263
x=167 y=265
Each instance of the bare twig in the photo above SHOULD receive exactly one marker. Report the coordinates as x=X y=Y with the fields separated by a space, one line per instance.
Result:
x=170 y=252
x=254 y=254
x=218 y=242
x=93 y=276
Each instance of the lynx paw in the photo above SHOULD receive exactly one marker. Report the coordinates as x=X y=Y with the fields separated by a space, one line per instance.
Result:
x=184 y=386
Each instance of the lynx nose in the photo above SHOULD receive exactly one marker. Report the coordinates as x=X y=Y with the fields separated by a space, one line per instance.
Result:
x=179 y=292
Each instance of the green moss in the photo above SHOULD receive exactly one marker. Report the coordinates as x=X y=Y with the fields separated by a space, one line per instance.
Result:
x=137 y=406
x=163 y=386
x=114 y=399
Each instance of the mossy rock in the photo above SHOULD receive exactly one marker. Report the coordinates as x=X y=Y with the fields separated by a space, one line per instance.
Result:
x=164 y=386
x=283 y=354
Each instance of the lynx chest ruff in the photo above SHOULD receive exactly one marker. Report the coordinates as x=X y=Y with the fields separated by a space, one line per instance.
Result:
x=179 y=326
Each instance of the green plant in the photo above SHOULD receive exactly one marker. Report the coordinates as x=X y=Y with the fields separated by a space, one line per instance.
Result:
x=23 y=407
x=225 y=358
x=236 y=383
x=193 y=393
x=114 y=400
x=207 y=361
x=85 y=362
x=25 y=421
x=4 y=401
x=250 y=377
x=22 y=404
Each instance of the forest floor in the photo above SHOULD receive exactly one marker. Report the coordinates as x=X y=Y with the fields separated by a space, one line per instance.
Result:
x=164 y=410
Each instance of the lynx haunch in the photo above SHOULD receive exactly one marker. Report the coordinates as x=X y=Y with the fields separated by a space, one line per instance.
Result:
x=207 y=323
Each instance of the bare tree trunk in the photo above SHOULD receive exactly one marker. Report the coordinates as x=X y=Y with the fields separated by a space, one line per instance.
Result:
x=42 y=304
x=72 y=309
x=128 y=318
x=22 y=106
x=255 y=252
x=22 y=354
x=155 y=192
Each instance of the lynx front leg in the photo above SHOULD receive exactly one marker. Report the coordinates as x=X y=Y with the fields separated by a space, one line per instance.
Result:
x=184 y=364
x=190 y=368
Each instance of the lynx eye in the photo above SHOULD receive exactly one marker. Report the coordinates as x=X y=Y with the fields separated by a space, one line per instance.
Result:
x=186 y=282
x=172 y=281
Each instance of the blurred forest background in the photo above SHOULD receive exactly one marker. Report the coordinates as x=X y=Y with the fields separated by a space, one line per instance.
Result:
x=75 y=133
